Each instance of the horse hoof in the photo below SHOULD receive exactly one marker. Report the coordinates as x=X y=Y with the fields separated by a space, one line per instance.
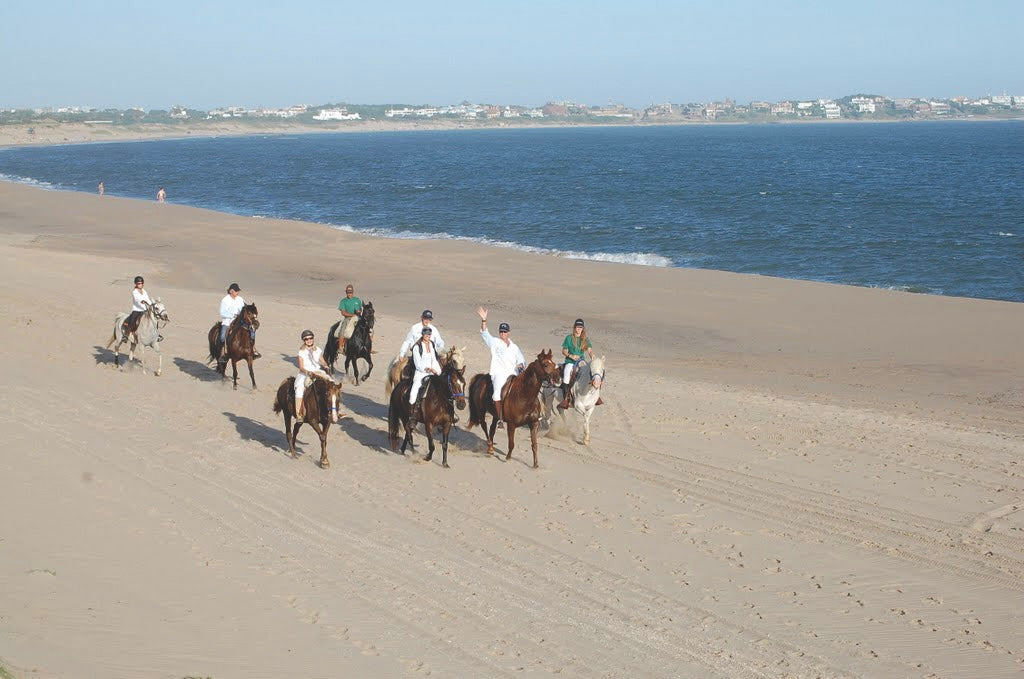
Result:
x=509 y=456
x=445 y=465
x=536 y=466
x=325 y=464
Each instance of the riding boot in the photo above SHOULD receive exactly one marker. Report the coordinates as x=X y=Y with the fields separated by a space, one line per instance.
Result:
x=500 y=415
x=599 y=402
x=124 y=332
x=256 y=354
x=414 y=413
x=566 y=398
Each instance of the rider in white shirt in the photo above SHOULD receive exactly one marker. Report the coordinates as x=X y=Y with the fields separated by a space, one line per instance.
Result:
x=230 y=306
x=416 y=331
x=140 y=300
x=311 y=360
x=506 y=358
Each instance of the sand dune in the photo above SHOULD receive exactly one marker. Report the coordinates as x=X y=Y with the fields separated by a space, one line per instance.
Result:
x=789 y=479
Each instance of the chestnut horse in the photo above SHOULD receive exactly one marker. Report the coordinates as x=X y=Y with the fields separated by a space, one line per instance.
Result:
x=360 y=345
x=445 y=392
x=320 y=404
x=240 y=341
x=519 y=401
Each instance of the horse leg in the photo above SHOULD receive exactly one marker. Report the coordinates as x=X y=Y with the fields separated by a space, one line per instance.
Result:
x=490 y=432
x=324 y=462
x=586 y=425
x=534 y=428
x=511 y=440
x=234 y=372
x=369 y=362
x=251 y=375
x=430 y=443
x=291 y=433
x=159 y=361
x=407 y=441
x=444 y=444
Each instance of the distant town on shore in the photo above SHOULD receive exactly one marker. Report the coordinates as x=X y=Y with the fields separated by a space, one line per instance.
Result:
x=857 y=107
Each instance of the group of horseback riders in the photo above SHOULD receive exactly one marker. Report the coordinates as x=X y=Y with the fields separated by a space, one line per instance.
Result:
x=424 y=339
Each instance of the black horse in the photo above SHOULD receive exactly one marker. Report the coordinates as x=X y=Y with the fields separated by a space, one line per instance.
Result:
x=360 y=345
x=445 y=392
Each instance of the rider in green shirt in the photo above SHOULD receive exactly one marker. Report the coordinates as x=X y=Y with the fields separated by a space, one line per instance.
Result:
x=575 y=347
x=351 y=307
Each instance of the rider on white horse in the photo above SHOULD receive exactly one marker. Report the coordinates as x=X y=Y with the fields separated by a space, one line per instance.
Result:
x=575 y=346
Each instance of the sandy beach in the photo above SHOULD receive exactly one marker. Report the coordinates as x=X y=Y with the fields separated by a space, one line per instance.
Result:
x=788 y=479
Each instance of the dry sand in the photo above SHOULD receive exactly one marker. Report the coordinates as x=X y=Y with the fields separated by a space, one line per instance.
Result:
x=789 y=479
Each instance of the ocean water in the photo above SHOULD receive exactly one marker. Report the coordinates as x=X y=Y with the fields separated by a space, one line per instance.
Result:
x=926 y=207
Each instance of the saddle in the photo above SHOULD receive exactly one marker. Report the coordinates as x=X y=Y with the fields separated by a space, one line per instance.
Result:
x=131 y=324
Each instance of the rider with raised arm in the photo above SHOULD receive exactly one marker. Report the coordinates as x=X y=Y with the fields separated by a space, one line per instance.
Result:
x=424 y=357
x=575 y=346
x=506 y=358
x=140 y=300
x=311 y=360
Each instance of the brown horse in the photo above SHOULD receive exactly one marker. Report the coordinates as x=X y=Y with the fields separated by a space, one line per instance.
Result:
x=519 y=400
x=240 y=341
x=320 y=404
x=445 y=392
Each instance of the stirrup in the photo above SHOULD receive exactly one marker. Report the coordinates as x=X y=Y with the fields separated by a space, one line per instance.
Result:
x=600 y=401
x=256 y=355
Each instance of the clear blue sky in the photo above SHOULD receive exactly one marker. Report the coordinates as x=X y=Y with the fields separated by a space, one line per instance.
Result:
x=637 y=52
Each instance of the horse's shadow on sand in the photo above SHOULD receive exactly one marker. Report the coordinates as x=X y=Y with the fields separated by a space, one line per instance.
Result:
x=203 y=372
x=461 y=439
x=251 y=430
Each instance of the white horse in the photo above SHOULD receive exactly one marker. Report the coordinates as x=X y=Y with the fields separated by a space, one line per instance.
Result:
x=395 y=368
x=585 y=391
x=147 y=335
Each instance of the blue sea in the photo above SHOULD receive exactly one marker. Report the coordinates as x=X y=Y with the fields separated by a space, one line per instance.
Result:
x=925 y=207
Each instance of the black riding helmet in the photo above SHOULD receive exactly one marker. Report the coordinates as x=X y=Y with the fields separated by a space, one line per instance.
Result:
x=306 y=333
x=139 y=279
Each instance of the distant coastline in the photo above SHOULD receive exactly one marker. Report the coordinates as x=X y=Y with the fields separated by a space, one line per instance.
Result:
x=55 y=133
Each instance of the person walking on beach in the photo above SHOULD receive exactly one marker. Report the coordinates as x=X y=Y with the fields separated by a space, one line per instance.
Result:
x=424 y=357
x=230 y=306
x=311 y=360
x=100 y=188
x=351 y=308
x=416 y=332
x=140 y=300
x=161 y=195
x=575 y=346
x=506 y=358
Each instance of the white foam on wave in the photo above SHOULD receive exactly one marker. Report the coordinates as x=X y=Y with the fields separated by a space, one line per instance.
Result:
x=1005 y=233
x=637 y=258
x=27 y=180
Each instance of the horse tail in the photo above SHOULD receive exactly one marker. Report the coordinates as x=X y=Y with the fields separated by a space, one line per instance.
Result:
x=331 y=347
x=214 y=340
x=393 y=406
x=281 y=400
x=476 y=395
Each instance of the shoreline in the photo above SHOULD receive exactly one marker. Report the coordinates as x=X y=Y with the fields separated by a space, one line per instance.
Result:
x=786 y=479
x=58 y=134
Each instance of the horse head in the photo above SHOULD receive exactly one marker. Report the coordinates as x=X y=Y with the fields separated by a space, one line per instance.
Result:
x=456 y=385
x=158 y=310
x=367 y=315
x=456 y=358
x=547 y=366
x=250 y=316
x=597 y=372
x=333 y=398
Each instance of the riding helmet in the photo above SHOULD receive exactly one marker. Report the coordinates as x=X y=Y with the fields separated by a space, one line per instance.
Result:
x=503 y=327
x=306 y=333
x=234 y=286
x=427 y=330
x=428 y=314
x=139 y=279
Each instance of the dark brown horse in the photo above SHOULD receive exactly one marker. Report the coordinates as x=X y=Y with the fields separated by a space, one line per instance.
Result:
x=240 y=342
x=519 y=400
x=360 y=345
x=320 y=404
x=445 y=392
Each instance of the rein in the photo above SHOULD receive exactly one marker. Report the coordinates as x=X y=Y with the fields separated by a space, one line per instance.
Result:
x=454 y=395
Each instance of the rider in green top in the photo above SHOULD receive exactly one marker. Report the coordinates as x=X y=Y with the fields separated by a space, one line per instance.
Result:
x=351 y=307
x=575 y=346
